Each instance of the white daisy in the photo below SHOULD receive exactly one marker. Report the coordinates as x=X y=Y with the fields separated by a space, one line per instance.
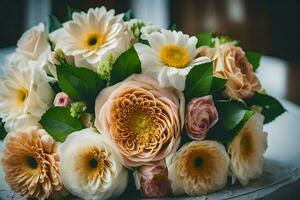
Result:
x=169 y=58
x=25 y=95
x=247 y=149
x=90 y=36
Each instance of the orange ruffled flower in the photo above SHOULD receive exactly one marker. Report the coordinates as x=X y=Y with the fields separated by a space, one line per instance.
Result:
x=142 y=119
x=31 y=163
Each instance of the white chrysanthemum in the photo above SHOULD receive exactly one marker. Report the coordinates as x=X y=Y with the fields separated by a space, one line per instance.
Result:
x=169 y=58
x=198 y=168
x=247 y=149
x=90 y=36
x=25 y=95
x=90 y=168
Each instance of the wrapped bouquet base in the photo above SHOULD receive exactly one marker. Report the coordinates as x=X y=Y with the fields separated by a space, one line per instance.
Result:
x=104 y=105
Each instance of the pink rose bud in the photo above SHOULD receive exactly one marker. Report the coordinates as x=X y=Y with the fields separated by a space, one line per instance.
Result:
x=201 y=115
x=61 y=100
x=153 y=181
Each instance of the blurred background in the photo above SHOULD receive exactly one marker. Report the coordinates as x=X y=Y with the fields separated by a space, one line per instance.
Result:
x=271 y=27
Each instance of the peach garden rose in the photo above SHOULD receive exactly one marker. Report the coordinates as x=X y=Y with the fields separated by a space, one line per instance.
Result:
x=143 y=120
x=231 y=63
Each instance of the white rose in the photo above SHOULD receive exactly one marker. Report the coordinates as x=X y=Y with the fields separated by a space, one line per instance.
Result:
x=33 y=43
x=90 y=168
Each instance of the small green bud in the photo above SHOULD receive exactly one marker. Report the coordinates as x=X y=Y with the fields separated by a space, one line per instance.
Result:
x=135 y=26
x=105 y=67
x=77 y=109
x=223 y=39
x=57 y=57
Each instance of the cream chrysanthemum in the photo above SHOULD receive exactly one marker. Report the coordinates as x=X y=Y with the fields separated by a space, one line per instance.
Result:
x=247 y=149
x=25 y=95
x=90 y=37
x=198 y=168
x=31 y=163
x=169 y=58
x=90 y=167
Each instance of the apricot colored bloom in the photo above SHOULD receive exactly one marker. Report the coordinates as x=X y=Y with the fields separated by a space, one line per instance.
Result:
x=198 y=168
x=142 y=120
x=231 y=63
x=31 y=163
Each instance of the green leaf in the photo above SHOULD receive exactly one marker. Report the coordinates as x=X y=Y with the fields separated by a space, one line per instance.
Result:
x=70 y=12
x=204 y=39
x=172 y=27
x=199 y=80
x=217 y=84
x=232 y=117
x=53 y=23
x=128 y=15
x=271 y=107
x=80 y=84
x=59 y=124
x=126 y=64
x=3 y=132
x=254 y=59
x=231 y=113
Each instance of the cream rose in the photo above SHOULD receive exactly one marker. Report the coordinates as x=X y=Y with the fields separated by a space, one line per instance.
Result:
x=201 y=115
x=33 y=42
x=90 y=167
x=230 y=63
x=143 y=120
x=247 y=149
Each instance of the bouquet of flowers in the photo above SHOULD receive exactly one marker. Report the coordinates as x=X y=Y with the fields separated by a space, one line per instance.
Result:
x=104 y=102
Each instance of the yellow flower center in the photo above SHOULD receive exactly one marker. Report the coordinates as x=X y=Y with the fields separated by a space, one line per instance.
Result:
x=22 y=95
x=94 y=164
x=141 y=125
x=174 y=56
x=93 y=40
